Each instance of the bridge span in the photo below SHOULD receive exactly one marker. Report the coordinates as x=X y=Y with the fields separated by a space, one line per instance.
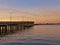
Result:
x=12 y=26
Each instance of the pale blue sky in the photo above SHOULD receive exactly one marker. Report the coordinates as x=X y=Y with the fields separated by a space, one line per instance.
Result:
x=30 y=3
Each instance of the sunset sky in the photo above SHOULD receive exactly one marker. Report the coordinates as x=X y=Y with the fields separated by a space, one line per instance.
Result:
x=40 y=11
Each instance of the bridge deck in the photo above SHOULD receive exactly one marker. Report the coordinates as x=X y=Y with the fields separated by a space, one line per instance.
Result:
x=17 y=22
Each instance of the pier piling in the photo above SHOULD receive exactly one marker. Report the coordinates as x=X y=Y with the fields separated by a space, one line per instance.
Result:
x=10 y=27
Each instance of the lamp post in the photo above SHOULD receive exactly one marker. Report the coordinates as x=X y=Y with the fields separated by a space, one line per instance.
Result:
x=10 y=16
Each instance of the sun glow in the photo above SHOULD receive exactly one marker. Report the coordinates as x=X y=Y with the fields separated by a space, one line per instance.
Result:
x=39 y=16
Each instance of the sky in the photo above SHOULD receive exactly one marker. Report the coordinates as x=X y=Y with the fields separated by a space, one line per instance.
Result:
x=39 y=11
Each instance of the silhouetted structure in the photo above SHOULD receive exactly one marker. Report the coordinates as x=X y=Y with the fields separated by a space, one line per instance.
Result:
x=9 y=27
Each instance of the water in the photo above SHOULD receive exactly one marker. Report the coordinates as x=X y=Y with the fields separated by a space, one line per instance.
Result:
x=36 y=35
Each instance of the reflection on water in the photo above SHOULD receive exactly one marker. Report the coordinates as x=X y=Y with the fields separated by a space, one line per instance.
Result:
x=41 y=34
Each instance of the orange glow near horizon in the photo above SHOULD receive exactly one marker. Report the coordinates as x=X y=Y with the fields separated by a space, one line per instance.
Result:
x=39 y=16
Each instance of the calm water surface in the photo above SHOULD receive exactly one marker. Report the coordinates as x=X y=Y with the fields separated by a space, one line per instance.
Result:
x=36 y=35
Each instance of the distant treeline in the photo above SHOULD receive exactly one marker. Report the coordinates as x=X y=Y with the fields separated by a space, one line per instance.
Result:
x=48 y=24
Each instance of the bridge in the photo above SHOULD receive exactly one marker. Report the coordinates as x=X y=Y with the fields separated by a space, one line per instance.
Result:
x=12 y=26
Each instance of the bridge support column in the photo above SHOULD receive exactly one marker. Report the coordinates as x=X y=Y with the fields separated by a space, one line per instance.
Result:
x=3 y=29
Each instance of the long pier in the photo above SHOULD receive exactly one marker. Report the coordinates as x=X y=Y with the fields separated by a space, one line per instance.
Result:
x=9 y=27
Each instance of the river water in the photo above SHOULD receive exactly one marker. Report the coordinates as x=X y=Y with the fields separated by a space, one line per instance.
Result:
x=36 y=35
